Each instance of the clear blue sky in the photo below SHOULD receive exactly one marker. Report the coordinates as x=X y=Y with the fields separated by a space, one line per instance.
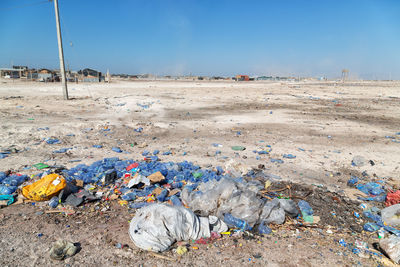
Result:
x=207 y=37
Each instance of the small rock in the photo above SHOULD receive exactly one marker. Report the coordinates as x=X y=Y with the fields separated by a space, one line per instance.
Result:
x=62 y=249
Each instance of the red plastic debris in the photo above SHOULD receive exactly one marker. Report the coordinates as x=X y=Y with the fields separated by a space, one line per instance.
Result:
x=392 y=198
x=202 y=241
x=131 y=166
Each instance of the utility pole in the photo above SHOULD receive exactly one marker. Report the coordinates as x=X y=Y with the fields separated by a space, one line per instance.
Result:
x=60 y=52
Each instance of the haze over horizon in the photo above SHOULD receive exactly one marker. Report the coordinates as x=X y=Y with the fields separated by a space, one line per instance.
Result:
x=224 y=38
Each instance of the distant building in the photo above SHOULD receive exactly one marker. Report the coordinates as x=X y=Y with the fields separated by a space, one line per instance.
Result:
x=10 y=73
x=90 y=75
x=45 y=75
x=242 y=78
x=264 y=78
x=20 y=67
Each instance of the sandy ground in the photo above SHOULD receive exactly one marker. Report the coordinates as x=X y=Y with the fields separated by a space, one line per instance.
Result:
x=324 y=124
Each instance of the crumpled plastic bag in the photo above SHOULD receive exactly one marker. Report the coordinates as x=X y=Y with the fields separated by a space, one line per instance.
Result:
x=244 y=205
x=45 y=188
x=274 y=211
x=391 y=215
x=157 y=226
x=239 y=199
x=236 y=168
x=209 y=196
x=391 y=245
x=224 y=196
x=8 y=198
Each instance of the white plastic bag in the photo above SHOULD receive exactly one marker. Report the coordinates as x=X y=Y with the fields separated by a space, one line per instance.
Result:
x=391 y=215
x=391 y=245
x=224 y=196
x=156 y=227
x=244 y=205
x=209 y=196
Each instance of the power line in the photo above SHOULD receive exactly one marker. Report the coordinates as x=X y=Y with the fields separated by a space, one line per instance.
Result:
x=21 y=6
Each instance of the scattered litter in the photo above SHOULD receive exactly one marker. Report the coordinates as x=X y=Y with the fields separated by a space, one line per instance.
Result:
x=116 y=149
x=276 y=160
x=52 y=141
x=289 y=156
x=62 y=150
x=238 y=148
x=358 y=161
x=40 y=166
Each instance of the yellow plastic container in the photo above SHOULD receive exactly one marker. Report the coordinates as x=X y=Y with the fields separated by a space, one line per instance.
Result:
x=45 y=188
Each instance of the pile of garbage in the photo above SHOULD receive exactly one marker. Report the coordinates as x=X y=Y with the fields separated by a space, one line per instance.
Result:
x=385 y=221
x=181 y=201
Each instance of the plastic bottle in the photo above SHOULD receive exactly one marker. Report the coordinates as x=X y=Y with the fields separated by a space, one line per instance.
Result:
x=306 y=211
x=264 y=229
x=129 y=197
x=175 y=201
x=352 y=181
x=177 y=184
x=53 y=202
x=2 y=176
x=371 y=227
x=138 y=205
x=235 y=222
x=161 y=197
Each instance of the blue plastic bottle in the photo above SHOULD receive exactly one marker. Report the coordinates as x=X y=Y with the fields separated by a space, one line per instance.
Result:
x=175 y=201
x=306 y=211
x=129 y=197
x=53 y=202
x=138 y=205
x=264 y=229
x=235 y=222
x=161 y=197
x=371 y=227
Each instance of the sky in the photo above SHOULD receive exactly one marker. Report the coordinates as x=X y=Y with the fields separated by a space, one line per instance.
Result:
x=312 y=38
